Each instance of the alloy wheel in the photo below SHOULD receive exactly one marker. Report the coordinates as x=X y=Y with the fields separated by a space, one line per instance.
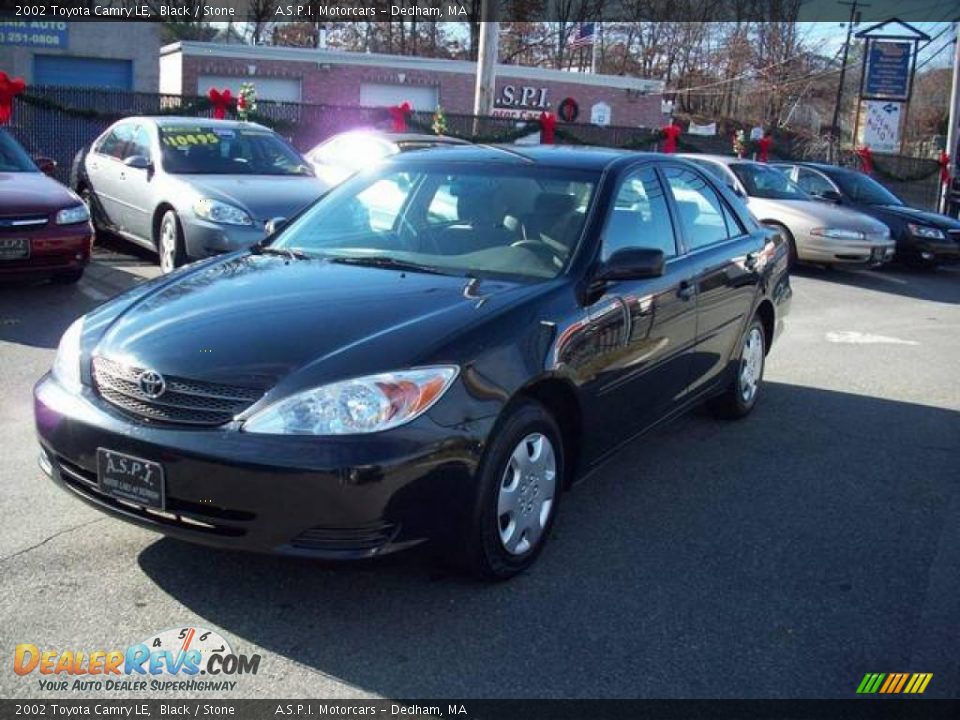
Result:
x=168 y=246
x=751 y=365
x=526 y=494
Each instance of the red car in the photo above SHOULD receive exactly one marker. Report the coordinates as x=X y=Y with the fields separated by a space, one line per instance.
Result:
x=44 y=227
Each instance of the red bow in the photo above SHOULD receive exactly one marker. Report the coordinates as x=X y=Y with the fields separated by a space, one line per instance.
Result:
x=9 y=89
x=220 y=101
x=944 y=168
x=866 y=159
x=548 y=125
x=670 y=134
x=764 y=144
x=399 y=113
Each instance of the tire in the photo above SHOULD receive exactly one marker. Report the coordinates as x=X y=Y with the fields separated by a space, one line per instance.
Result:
x=740 y=396
x=87 y=196
x=170 y=247
x=509 y=527
x=792 y=257
x=67 y=278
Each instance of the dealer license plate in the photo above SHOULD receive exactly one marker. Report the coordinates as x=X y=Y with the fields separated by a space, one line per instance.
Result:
x=131 y=478
x=14 y=248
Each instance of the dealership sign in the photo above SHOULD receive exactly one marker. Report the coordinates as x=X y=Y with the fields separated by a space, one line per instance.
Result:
x=881 y=133
x=35 y=34
x=888 y=70
x=522 y=97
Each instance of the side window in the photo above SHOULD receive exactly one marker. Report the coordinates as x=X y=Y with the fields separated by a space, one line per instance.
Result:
x=115 y=144
x=813 y=182
x=139 y=144
x=700 y=208
x=718 y=172
x=640 y=217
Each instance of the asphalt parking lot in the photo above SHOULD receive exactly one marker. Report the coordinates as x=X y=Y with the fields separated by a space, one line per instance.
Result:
x=781 y=556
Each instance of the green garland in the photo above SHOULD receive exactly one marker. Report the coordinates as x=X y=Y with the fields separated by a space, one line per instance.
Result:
x=192 y=108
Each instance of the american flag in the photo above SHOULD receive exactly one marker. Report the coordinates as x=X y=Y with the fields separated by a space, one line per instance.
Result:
x=583 y=36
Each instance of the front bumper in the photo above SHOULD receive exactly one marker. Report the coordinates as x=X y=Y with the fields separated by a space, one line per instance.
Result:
x=828 y=251
x=929 y=250
x=338 y=498
x=203 y=238
x=56 y=248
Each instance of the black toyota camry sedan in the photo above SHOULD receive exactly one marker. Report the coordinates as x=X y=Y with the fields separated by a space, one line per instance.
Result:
x=433 y=351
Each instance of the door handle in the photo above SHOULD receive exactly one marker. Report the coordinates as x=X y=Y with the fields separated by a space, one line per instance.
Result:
x=685 y=291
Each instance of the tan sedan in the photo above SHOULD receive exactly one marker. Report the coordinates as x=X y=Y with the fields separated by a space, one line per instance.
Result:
x=817 y=231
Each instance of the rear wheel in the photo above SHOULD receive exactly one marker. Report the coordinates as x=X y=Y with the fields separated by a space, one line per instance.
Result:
x=520 y=482
x=740 y=396
x=170 y=243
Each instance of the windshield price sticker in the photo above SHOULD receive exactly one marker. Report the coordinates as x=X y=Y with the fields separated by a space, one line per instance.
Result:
x=182 y=139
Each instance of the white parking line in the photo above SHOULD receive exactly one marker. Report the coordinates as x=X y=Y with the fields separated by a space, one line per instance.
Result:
x=93 y=293
x=851 y=337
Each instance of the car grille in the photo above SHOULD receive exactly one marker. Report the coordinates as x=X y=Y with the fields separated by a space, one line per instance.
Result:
x=22 y=223
x=184 y=401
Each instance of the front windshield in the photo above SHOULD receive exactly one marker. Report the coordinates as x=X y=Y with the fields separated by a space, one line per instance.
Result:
x=14 y=158
x=863 y=189
x=465 y=219
x=215 y=150
x=763 y=181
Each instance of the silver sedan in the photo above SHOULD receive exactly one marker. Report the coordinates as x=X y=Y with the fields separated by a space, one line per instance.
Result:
x=818 y=232
x=192 y=187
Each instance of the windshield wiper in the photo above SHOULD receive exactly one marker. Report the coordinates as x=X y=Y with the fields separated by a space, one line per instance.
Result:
x=384 y=261
x=291 y=253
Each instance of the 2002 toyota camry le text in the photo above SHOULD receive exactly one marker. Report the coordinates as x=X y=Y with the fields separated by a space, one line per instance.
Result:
x=433 y=351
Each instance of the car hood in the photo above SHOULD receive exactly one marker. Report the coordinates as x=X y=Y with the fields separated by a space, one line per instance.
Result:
x=911 y=214
x=254 y=320
x=817 y=213
x=262 y=196
x=33 y=193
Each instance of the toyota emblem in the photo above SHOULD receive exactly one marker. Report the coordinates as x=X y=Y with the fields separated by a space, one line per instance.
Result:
x=151 y=383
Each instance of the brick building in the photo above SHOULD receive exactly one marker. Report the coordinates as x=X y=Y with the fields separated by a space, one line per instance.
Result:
x=374 y=80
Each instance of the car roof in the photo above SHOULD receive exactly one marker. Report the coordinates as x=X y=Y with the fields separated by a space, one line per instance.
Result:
x=578 y=157
x=825 y=167
x=720 y=159
x=175 y=120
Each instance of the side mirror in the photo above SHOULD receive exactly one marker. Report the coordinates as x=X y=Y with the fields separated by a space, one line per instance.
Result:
x=274 y=225
x=831 y=196
x=138 y=162
x=631 y=264
x=46 y=165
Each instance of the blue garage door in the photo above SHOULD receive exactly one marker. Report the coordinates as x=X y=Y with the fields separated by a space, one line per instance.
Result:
x=82 y=72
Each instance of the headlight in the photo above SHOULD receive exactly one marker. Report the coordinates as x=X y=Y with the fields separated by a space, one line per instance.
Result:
x=838 y=233
x=925 y=231
x=363 y=405
x=66 y=366
x=70 y=215
x=220 y=212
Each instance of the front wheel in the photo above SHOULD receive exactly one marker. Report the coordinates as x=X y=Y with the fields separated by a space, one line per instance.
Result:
x=170 y=243
x=520 y=482
x=740 y=396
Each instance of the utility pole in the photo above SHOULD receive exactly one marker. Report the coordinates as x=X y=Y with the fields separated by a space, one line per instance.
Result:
x=486 y=59
x=954 y=119
x=843 y=68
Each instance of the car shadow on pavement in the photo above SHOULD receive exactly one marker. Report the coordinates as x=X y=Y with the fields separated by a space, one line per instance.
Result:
x=780 y=556
x=32 y=311
x=940 y=285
